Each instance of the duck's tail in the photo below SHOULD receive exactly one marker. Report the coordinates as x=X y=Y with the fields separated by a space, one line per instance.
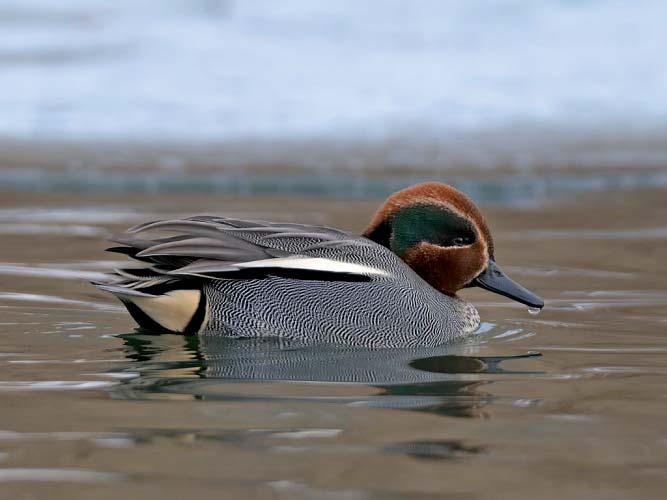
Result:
x=162 y=305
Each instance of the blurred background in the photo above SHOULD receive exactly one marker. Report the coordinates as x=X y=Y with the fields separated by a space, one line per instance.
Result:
x=280 y=96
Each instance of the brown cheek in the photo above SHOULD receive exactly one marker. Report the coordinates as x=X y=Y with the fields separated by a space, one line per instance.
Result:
x=446 y=269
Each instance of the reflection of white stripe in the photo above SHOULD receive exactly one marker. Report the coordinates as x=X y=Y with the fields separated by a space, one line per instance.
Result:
x=312 y=264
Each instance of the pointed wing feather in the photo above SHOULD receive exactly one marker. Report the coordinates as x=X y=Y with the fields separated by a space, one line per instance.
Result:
x=220 y=248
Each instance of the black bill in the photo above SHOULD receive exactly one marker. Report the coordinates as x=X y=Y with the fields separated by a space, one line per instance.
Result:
x=495 y=280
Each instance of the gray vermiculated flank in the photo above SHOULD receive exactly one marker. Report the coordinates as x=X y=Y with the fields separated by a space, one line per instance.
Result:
x=394 y=310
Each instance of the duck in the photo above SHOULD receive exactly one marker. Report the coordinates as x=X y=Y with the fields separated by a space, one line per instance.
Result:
x=394 y=285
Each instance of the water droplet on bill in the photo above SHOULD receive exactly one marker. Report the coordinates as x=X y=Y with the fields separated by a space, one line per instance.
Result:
x=534 y=310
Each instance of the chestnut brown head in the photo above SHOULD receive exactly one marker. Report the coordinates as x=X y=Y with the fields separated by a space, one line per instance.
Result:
x=441 y=234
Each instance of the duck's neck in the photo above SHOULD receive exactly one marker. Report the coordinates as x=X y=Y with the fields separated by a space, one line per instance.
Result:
x=380 y=234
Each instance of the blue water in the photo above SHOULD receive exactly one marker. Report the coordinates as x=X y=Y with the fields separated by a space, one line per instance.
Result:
x=201 y=70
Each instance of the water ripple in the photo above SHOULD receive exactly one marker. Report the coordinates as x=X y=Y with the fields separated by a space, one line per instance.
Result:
x=56 y=475
x=55 y=385
x=55 y=229
x=46 y=272
x=52 y=299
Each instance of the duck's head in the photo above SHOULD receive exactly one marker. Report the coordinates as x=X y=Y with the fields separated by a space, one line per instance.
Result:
x=441 y=234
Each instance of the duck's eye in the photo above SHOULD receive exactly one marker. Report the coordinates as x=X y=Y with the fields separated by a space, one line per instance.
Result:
x=460 y=241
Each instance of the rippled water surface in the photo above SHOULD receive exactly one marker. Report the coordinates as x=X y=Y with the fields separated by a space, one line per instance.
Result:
x=567 y=404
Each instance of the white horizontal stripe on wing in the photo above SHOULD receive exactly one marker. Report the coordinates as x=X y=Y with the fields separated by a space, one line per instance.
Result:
x=312 y=264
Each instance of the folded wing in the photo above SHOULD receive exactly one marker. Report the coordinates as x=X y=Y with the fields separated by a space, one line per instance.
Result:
x=223 y=248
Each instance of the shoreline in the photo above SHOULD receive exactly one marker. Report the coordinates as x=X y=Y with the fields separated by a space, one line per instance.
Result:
x=526 y=172
x=520 y=149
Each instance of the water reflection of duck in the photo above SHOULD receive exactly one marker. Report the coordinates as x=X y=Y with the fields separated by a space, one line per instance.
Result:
x=395 y=286
x=441 y=380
